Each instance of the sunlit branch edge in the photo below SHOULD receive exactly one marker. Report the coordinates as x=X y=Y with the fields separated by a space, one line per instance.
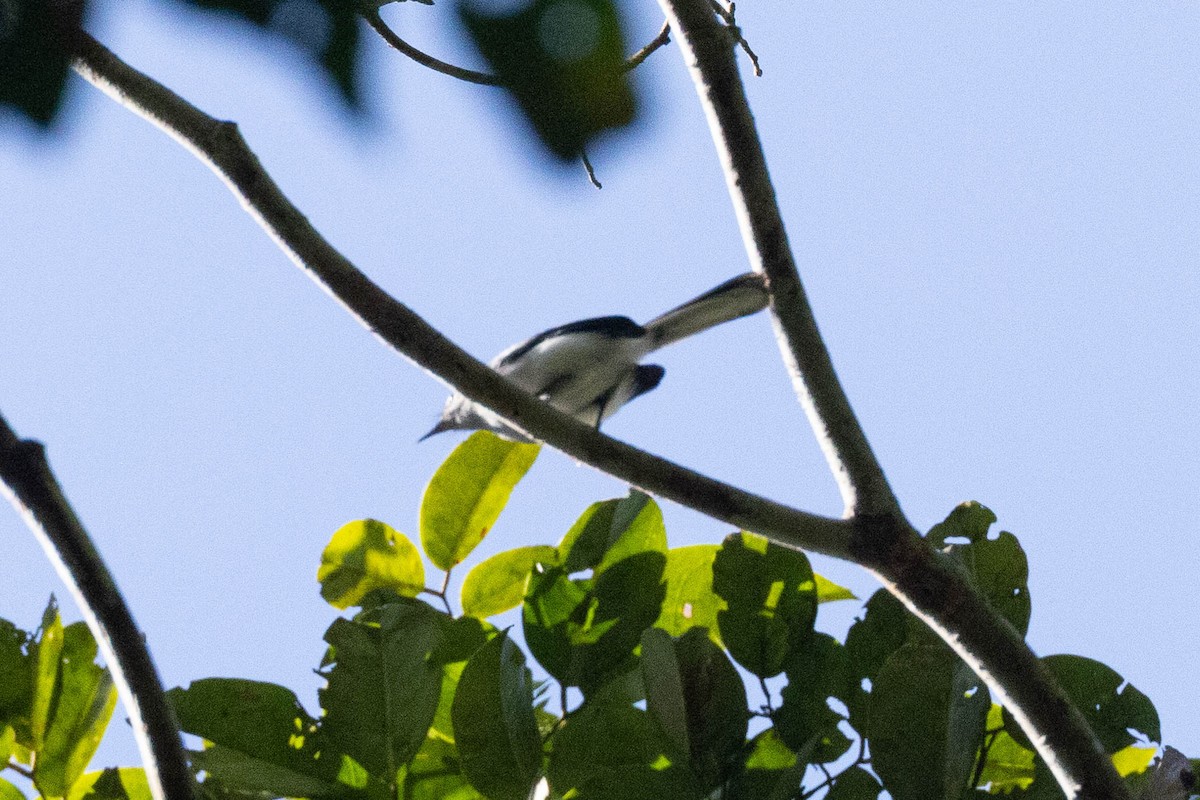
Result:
x=30 y=486
x=885 y=542
x=221 y=146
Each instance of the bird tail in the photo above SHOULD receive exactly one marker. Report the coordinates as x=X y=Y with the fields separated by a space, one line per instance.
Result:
x=739 y=297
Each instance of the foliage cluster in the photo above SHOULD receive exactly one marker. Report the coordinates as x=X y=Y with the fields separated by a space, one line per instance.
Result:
x=637 y=685
x=563 y=61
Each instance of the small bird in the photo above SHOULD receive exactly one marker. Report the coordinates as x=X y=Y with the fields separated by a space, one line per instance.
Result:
x=591 y=368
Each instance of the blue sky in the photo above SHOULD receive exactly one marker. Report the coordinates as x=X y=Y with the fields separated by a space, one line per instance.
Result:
x=993 y=205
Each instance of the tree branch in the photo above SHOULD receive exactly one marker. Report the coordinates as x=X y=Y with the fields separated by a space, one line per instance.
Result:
x=424 y=59
x=33 y=491
x=221 y=146
x=886 y=542
x=375 y=20
x=708 y=51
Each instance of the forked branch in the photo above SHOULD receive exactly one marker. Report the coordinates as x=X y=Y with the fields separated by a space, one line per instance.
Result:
x=220 y=145
x=885 y=541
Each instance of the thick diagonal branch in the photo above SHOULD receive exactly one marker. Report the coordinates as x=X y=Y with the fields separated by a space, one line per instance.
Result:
x=32 y=489
x=221 y=146
x=885 y=542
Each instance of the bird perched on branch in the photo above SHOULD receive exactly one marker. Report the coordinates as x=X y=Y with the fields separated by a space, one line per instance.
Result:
x=591 y=368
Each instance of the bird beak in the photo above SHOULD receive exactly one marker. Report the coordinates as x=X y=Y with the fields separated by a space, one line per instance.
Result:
x=442 y=426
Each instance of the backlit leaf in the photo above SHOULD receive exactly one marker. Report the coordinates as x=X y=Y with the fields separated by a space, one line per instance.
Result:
x=467 y=494
x=366 y=555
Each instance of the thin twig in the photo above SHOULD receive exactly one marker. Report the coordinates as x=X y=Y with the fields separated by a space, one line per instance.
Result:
x=591 y=171
x=221 y=146
x=887 y=544
x=424 y=59
x=31 y=487
x=663 y=38
x=20 y=769
x=729 y=15
x=375 y=20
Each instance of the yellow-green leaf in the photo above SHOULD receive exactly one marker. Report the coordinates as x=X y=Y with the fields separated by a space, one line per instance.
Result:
x=498 y=584
x=1133 y=759
x=366 y=555
x=467 y=494
x=828 y=591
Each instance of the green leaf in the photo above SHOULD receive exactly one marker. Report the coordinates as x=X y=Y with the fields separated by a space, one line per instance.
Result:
x=16 y=673
x=772 y=771
x=927 y=722
x=366 y=555
x=82 y=707
x=690 y=601
x=855 y=784
x=1009 y=765
x=882 y=630
x=816 y=671
x=563 y=61
x=495 y=729
x=467 y=494
x=125 y=783
x=664 y=691
x=997 y=567
x=637 y=527
x=830 y=592
x=384 y=686
x=584 y=631
x=613 y=751
x=326 y=31
x=1133 y=760
x=588 y=540
x=498 y=584
x=435 y=774
x=715 y=702
x=262 y=739
x=9 y=792
x=8 y=742
x=772 y=601
x=48 y=649
x=1111 y=706
x=35 y=55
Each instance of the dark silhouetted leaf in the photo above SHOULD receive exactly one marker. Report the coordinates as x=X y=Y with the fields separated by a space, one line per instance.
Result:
x=816 y=671
x=772 y=601
x=997 y=567
x=261 y=738
x=613 y=751
x=564 y=63
x=384 y=686
x=326 y=31
x=1111 y=706
x=927 y=719
x=584 y=631
x=495 y=728
x=37 y=38
x=715 y=701
x=16 y=673
x=855 y=784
